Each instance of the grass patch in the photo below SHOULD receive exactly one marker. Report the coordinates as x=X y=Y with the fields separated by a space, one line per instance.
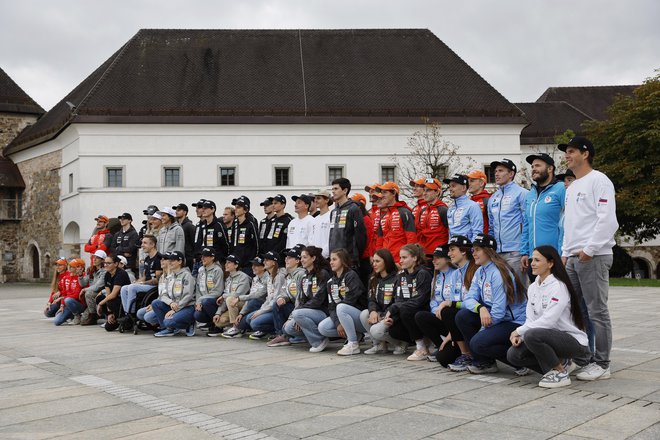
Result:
x=632 y=282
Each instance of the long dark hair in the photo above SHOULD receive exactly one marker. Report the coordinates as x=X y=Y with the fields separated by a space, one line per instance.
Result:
x=472 y=266
x=515 y=289
x=390 y=267
x=344 y=258
x=559 y=272
x=320 y=263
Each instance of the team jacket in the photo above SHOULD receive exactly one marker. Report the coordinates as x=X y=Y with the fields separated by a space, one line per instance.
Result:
x=210 y=282
x=189 y=236
x=180 y=289
x=506 y=209
x=126 y=242
x=170 y=239
x=433 y=229
x=370 y=248
x=397 y=228
x=464 y=218
x=292 y=286
x=347 y=230
x=273 y=289
x=258 y=289
x=413 y=292
x=549 y=306
x=73 y=288
x=482 y=200
x=245 y=239
x=441 y=289
x=347 y=289
x=417 y=211
x=100 y=240
x=212 y=235
x=275 y=238
x=458 y=292
x=543 y=212
x=383 y=296
x=487 y=290
x=374 y=213
x=314 y=294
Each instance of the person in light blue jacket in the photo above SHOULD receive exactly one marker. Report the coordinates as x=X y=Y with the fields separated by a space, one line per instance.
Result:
x=544 y=206
x=506 y=210
x=494 y=307
x=464 y=215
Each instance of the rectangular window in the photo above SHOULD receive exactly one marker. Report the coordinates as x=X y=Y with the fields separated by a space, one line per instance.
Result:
x=387 y=173
x=490 y=173
x=439 y=172
x=282 y=177
x=115 y=177
x=227 y=176
x=172 y=176
x=70 y=182
x=335 y=172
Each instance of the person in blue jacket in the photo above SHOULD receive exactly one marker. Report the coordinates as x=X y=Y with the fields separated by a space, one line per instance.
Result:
x=494 y=307
x=506 y=210
x=544 y=206
x=464 y=215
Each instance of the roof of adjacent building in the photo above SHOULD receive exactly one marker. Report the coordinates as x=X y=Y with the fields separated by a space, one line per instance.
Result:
x=593 y=101
x=14 y=100
x=278 y=76
x=10 y=176
x=549 y=119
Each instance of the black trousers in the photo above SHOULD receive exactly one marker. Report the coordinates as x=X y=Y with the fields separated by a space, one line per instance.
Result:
x=433 y=328
x=405 y=327
x=448 y=315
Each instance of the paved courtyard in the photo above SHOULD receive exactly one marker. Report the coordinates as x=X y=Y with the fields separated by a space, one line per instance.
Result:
x=83 y=383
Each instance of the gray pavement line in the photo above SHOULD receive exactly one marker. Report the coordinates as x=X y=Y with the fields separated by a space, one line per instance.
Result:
x=636 y=350
x=204 y=422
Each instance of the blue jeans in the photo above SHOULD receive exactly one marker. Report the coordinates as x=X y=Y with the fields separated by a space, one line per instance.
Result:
x=487 y=344
x=289 y=329
x=209 y=308
x=129 y=294
x=180 y=320
x=52 y=310
x=280 y=315
x=349 y=318
x=147 y=316
x=71 y=307
x=308 y=320
x=262 y=323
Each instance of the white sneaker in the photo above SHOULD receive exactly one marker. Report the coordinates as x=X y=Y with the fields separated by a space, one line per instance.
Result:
x=319 y=348
x=593 y=371
x=418 y=355
x=381 y=347
x=76 y=319
x=401 y=348
x=569 y=366
x=555 y=379
x=349 y=349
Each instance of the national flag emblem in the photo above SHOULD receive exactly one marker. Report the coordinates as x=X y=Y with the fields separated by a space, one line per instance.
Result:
x=602 y=200
x=554 y=299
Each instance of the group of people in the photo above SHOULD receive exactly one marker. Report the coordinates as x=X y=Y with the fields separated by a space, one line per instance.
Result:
x=452 y=281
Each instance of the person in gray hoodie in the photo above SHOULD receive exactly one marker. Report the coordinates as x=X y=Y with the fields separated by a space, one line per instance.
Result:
x=209 y=287
x=237 y=283
x=175 y=307
x=170 y=236
x=252 y=300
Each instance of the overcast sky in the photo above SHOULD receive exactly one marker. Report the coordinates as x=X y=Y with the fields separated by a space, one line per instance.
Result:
x=519 y=47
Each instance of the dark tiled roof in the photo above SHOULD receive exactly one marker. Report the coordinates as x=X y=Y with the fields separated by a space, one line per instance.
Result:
x=10 y=177
x=548 y=119
x=592 y=101
x=281 y=76
x=14 y=100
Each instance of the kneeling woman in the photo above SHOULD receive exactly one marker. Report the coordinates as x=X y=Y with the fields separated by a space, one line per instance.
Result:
x=493 y=308
x=382 y=289
x=347 y=297
x=553 y=332
x=175 y=309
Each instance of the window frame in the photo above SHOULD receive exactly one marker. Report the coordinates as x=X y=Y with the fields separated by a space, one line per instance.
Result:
x=164 y=169
x=220 y=168
x=289 y=169
x=106 y=175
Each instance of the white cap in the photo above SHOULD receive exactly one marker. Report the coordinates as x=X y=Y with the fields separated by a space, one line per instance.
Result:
x=123 y=259
x=168 y=210
x=156 y=215
x=101 y=254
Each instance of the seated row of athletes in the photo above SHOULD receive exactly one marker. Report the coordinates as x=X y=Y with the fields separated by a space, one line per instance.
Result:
x=473 y=310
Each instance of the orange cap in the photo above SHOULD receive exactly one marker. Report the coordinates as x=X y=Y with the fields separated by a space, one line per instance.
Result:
x=433 y=183
x=371 y=187
x=390 y=186
x=359 y=198
x=77 y=262
x=102 y=218
x=419 y=181
x=62 y=262
x=478 y=174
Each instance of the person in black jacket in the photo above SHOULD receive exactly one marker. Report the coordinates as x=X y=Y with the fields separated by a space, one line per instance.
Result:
x=382 y=290
x=125 y=241
x=211 y=233
x=199 y=227
x=275 y=240
x=347 y=228
x=265 y=224
x=181 y=211
x=244 y=235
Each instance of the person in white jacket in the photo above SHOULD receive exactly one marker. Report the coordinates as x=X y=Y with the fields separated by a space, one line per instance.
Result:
x=553 y=332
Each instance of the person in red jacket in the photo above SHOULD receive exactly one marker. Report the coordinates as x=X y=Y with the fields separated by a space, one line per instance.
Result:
x=374 y=214
x=365 y=261
x=433 y=228
x=477 y=189
x=418 y=193
x=397 y=224
x=56 y=286
x=101 y=237
x=70 y=302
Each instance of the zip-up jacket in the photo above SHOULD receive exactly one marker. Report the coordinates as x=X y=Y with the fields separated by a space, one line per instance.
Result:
x=488 y=290
x=292 y=286
x=236 y=284
x=417 y=212
x=433 y=229
x=383 y=296
x=63 y=286
x=170 y=239
x=275 y=239
x=180 y=289
x=397 y=228
x=549 y=306
x=347 y=230
x=464 y=218
x=213 y=235
x=441 y=288
x=258 y=289
x=265 y=224
x=314 y=293
x=506 y=209
x=245 y=239
x=273 y=288
x=126 y=243
x=189 y=237
x=210 y=282
x=482 y=200
x=541 y=222
x=98 y=281
x=374 y=213
x=458 y=292
x=346 y=289
x=73 y=288
x=101 y=240
x=370 y=249
x=413 y=292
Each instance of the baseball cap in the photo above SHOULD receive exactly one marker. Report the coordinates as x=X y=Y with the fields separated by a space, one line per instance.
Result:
x=125 y=215
x=199 y=203
x=61 y=261
x=76 y=263
x=151 y=210
x=267 y=202
x=242 y=201
x=280 y=198
x=506 y=163
x=304 y=197
x=233 y=259
x=156 y=215
x=441 y=251
x=181 y=206
x=359 y=198
x=270 y=255
x=460 y=241
x=174 y=255
x=167 y=210
x=542 y=156
x=322 y=192
x=208 y=252
x=122 y=259
x=258 y=261
x=580 y=142
x=389 y=186
x=432 y=183
x=485 y=241
x=461 y=179
x=368 y=188
x=101 y=218
x=293 y=252
x=419 y=181
x=478 y=174
x=101 y=254
x=565 y=174
x=208 y=204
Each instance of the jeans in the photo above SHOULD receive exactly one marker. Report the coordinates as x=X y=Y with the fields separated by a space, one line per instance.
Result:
x=542 y=349
x=147 y=316
x=71 y=307
x=129 y=295
x=380 y=333
x=349 y=318
x=590 y=280
x=209 y=308
x=280 y=316
x=289 y=329
x=52 y=309
x=263 y=323
x=308 y=320
x=489 y=343
x=182 y=319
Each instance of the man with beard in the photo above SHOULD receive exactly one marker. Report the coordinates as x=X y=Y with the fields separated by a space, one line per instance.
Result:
x=543 y=209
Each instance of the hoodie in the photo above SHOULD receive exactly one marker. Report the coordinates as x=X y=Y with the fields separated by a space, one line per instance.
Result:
x=292 y=286
x=433 y=229
x=413 y=291
x=100 y=240
x=245 y=239
x=346 y=289
x=126 y=243
x=347 y=230
x=482 y=200
x=171 y=238
x=397 y=228
x=383 y=296
x=181 y=289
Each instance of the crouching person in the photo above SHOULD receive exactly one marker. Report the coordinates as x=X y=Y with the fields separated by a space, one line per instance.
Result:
x=70 y=303
x=175 y=308
x=96 y=286
x=209 y=287
x=236 y=284
x=147 y=314
x=109 y=302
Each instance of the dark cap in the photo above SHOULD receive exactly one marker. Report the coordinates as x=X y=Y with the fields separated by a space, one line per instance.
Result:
x=506 y=163
x=460 y=241
x=279 y=198
x=306 y=198
x=182 y=206
x=267 y=202
x=242 y=201
x=441 y=251
x=270 y=255
x=151 y=210
x=174 y=255
x=233 y=259
x=579 y=142
x=541 y=156
x=485 y=241
x=208 y=204
x=461 y=179
x=199 y=203
x=125 y=215
x=293 y=252
x=565 y=174
x=258 y=261
x=208 y=252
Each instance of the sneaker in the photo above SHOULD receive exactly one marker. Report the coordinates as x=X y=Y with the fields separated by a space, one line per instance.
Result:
x=400 y=348
x=483 y=368
x=90 y=320
x=165 y=333
x=418 y=355
x=297 y=340
x=255 y=336
x=214 y=331
x=381 y=347
x=593 y=371
x=102 y=325
x=522 y=371
x=76 y=320
x=350 y=349
x=461 y=363
x=204 y=327
x=279 y=341
x=569 y=365
x=432 y=357
x=190 y=331
x=233 y=332
x=555 y=379
x=319 y=348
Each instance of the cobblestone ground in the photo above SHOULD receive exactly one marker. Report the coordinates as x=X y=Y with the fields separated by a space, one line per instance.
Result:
x=83 y=383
